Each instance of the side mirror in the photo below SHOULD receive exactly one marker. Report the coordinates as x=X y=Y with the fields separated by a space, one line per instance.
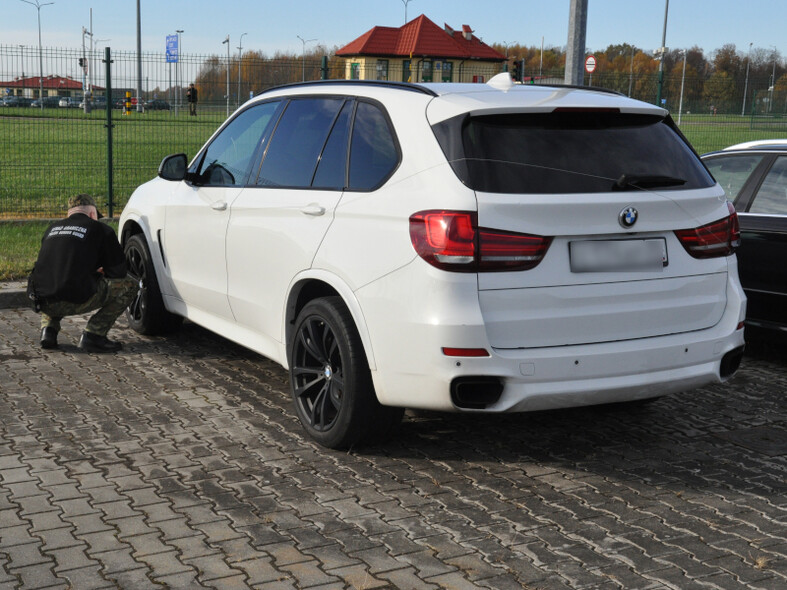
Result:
x=173 y=167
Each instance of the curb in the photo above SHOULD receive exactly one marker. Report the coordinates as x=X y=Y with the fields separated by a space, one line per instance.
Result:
x=13 y=295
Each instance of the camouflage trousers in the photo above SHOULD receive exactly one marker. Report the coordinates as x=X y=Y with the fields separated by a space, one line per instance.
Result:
x=111 y=299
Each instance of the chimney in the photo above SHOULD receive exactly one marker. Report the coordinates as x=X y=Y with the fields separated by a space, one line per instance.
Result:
x=467 y=32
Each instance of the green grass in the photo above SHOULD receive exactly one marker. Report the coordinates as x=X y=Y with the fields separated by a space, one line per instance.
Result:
x=19 y=244
x=45 y=159
x=48 y=155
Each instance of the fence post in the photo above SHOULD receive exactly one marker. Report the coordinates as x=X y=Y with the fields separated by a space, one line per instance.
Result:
x=110 y=199
x=324 y=68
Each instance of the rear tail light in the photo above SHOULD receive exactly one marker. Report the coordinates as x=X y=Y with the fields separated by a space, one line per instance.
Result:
x=720 y=238
x=452 y=240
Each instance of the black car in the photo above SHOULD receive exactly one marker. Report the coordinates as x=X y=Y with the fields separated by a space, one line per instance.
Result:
x=157 y=105
x=754 y=175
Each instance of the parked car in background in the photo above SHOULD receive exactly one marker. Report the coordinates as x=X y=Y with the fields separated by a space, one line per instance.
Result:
x=49 y=102
x=97 y=102
x=453 y=247
x=754 y=175
x=16 y=101
x=157 y=105
x=66 y=102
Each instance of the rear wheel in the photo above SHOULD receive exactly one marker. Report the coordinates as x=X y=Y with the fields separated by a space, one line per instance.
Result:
x=146 y=313
x=330 y=379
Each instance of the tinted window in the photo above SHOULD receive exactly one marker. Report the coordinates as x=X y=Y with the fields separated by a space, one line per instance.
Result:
x=732 y=171
x=373 y=152
x=569 y=152
x=227 y=159
x=298 y=140
x=332 y=167
x=771 y=199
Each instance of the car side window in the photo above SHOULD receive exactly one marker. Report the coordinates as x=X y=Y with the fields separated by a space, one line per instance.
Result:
x=732 y=171
x=374 y=152
x=331 y=171
x=771 y=198
x=298 y=141
x=227 y=159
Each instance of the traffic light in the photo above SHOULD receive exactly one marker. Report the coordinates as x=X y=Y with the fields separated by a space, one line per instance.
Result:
x=517 y=73
x=82 y=62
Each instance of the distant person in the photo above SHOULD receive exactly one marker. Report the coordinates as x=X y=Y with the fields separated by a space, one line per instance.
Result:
x=80 y=268
x=191 y=97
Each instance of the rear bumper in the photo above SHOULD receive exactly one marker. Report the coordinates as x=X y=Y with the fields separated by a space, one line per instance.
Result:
x=409 y=333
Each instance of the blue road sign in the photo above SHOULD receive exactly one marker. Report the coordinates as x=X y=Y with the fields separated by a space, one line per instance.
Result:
x=172 y=48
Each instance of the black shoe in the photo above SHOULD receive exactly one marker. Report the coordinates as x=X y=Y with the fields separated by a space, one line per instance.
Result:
x=95 y=343
x=48 y=338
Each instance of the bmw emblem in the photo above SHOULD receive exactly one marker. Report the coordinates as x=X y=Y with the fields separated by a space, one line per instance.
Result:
x=628 y=217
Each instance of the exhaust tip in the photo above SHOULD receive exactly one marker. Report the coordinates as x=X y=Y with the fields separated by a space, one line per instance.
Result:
x=476 y=393
x=730 y=363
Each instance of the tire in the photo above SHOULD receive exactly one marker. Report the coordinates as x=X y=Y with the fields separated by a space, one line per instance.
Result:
x=146 y=314
x=330 y=380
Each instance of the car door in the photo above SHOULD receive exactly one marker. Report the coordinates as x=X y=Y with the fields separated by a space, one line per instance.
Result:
x=198 y=212
x=762 y=257
x=277 y=225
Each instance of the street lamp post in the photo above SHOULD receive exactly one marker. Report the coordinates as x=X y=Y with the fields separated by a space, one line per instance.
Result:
x=303 y=56
x=178 y=93
x=773 y=81
x=405 y=2
x=38 y=6
x=746 y=84
x=662 y=52
x=139 y=59
x=240 y=54
x=682 y=80
x=227 y=41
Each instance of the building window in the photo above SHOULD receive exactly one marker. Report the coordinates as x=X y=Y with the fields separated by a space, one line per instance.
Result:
x=355 y=71
x=406 y=75
x=382 y=69
x=443 y=71
x=426 y=71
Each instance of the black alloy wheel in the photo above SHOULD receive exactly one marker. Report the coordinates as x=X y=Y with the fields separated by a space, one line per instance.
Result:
x=146 y=313
x=330 y=379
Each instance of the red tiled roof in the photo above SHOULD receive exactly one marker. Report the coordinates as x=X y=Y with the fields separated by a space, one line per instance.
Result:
x=50 y=83
x=421 y=37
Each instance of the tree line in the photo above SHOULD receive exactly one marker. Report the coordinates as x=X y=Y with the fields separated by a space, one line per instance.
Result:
x=717 y=81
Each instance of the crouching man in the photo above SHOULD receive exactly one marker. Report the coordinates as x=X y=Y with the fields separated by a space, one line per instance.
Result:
x=81 y=268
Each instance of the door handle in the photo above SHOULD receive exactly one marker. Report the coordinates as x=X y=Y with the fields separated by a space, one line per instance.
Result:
x=219 y=205
x=313 y=209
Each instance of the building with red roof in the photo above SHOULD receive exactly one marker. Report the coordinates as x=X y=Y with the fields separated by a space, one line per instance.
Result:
x=420 y=51
x=52 y=85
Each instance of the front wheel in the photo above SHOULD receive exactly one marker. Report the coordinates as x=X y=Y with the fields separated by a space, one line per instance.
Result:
x=146 y=314
x=330 y=380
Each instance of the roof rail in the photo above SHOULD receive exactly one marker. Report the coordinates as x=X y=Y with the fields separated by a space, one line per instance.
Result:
x=579 y=87
x=382 y=83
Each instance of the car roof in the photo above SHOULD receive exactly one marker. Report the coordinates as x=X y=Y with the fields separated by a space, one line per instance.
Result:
x=757 y=144
x=499 y=95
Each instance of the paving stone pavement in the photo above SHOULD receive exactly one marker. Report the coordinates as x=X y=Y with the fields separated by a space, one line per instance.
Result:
x=179 y=463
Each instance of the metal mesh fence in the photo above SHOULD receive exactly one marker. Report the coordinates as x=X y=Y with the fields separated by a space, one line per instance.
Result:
x=53 y=150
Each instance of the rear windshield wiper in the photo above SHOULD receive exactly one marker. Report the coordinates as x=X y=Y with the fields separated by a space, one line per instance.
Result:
x=645 y=181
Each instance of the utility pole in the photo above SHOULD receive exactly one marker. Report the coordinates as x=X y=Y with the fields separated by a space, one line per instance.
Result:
x=38 y=6
x=746 y=85
x=662 y=53
x=139 y=59
x=227 y=41
x=575 y=50
x=240 y=55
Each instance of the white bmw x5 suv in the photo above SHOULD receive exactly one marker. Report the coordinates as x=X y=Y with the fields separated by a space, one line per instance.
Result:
x=459 y=247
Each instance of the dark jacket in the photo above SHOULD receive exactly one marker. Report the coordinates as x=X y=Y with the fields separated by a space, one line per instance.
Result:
x=72 y=251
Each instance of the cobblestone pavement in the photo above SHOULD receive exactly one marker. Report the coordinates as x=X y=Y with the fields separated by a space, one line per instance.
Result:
x=179 y=463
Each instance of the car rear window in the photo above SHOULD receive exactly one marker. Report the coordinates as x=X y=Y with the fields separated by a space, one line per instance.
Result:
x=578 y=151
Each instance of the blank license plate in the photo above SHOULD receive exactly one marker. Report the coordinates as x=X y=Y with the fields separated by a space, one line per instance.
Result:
x=618 y=255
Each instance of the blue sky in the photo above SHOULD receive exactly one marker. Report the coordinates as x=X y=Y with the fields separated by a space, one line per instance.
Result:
x=272 y=26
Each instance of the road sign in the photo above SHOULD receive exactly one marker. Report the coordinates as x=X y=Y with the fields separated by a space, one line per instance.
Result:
x=590 y=64
x=172 y=48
